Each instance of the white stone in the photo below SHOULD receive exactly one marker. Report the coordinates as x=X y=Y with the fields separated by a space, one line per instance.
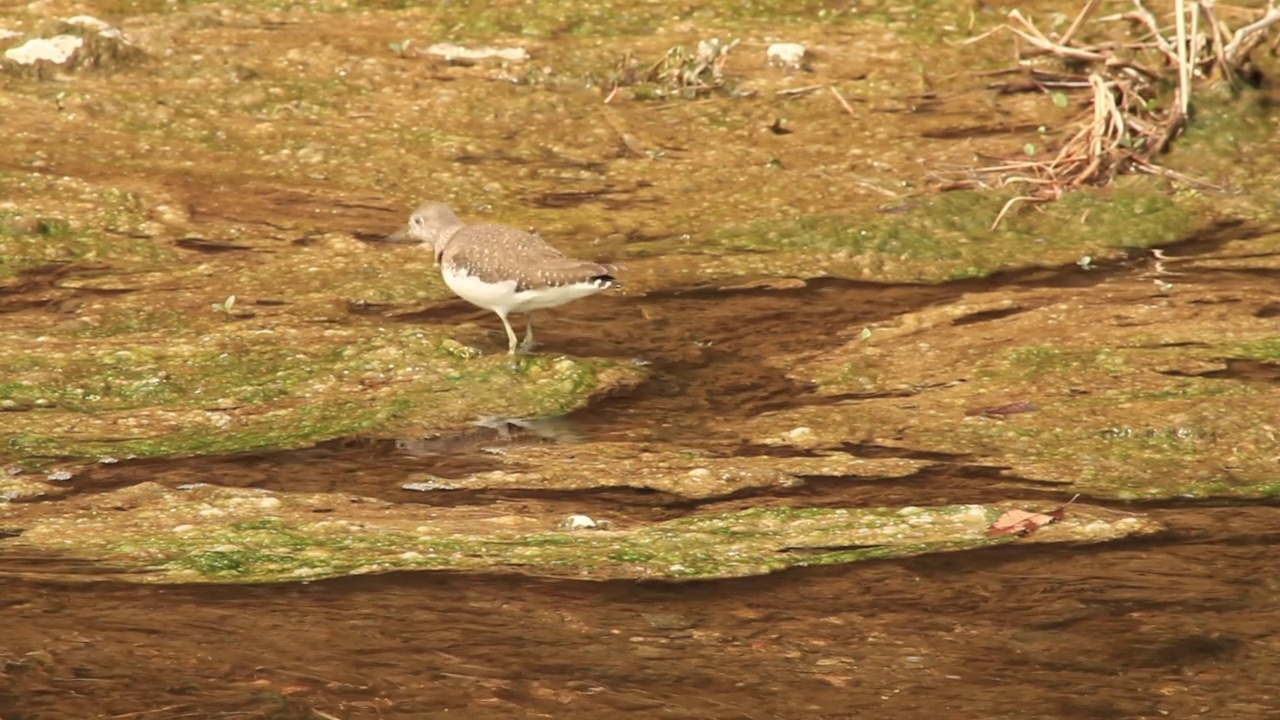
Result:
x=449 y=51
x=798 y=434
x=579 y=522
x=786 y=54
x=102 y=27
x=88 y=21
x=57 y=49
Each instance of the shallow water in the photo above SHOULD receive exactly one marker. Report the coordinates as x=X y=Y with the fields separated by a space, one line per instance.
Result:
x=1179 y=626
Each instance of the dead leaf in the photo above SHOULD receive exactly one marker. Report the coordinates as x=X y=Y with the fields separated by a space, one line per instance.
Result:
x=1022 y=522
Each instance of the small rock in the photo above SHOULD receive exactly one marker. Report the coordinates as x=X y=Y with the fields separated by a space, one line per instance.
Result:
x=88 y=21
x=786 y=54
x=799 y=434
x=310 y=155
x=579 y=522
x=428 y=486
x=102 y=27
x=457 y=349
x=57 y=49
x=449 y=51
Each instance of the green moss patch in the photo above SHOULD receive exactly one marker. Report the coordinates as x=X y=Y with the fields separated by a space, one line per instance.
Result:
x=209 y=534
x=1122 y=390
x=240 y=387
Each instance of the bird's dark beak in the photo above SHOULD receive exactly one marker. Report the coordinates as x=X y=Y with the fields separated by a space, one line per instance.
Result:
x=400 y=236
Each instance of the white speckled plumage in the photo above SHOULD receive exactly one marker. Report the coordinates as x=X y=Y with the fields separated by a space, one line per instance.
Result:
x=502 y=269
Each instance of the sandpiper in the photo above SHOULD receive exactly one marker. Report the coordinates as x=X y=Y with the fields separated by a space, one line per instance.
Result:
x=502 y=269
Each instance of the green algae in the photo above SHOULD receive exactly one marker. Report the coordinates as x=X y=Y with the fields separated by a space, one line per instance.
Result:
x=1066 y=391
x=208 y=534
x=948 y=236
x=170 y=398
x=1263 y=349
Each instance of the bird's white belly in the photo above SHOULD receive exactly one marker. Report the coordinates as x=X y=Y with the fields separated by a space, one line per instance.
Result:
x=501 y=297
x=498 y=297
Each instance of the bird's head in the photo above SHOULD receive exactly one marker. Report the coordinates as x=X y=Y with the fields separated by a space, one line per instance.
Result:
x=433 y=223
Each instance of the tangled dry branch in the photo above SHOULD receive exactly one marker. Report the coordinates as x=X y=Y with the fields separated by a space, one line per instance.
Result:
x=1128 y=117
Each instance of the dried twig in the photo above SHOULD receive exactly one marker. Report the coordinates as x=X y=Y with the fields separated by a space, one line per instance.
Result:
x=1128 y=123
x=792 y=92
x=1236 y=50
x=1220 y=41
x=1084 y=14
x=843 y=103
x=1031 y=34
x=1009 y=205
x=1184 y=62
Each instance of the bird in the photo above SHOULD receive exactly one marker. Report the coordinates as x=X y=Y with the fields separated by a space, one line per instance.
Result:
x=503 y=269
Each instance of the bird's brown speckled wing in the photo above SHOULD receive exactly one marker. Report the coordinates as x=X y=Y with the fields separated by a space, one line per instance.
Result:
x=495 y=253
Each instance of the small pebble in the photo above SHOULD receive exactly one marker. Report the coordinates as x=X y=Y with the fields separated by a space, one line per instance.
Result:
x=798 y=434
x=579 y=522
x=427 y=486
x=786 y=54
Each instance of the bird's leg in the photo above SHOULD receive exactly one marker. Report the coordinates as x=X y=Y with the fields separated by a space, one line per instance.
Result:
x=528 y=343
x=511 y=334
